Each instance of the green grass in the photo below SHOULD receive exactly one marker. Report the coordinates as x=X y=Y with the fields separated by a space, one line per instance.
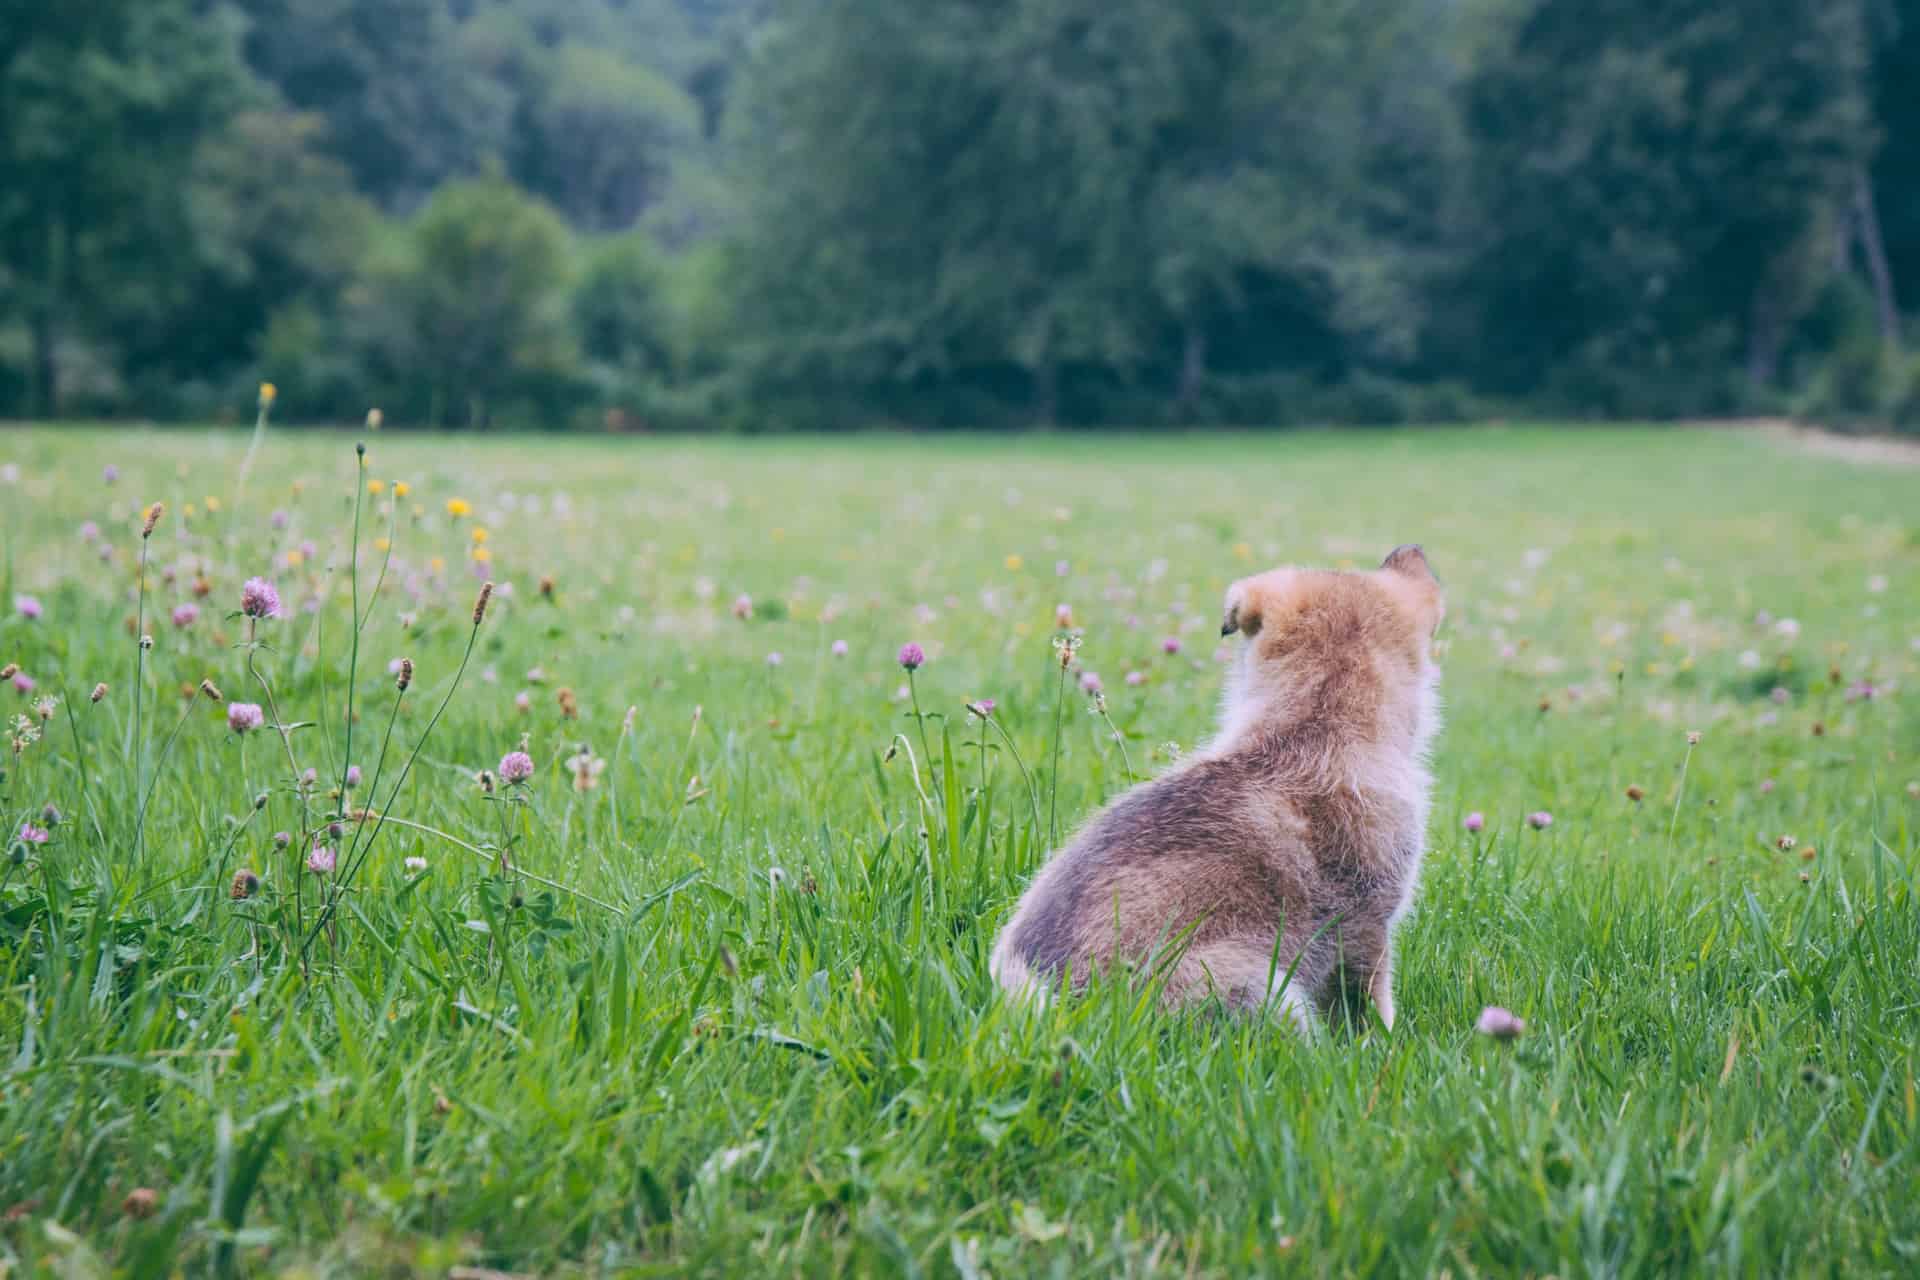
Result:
x=674 y=1065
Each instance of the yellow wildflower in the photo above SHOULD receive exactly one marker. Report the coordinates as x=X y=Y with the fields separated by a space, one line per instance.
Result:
x=1013 y=563
x=267 y=393
x=457 y=507
x=481 y=555
x=376 y=487
x=479 y=534
x=213 y=505
x=400 y=489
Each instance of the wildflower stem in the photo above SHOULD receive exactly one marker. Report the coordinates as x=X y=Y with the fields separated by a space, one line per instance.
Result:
x=913 y=692
x=266 y=691
x=1053 y=798
x=293 y=765
x=926 y=816
x=226 y=851
x=253 y=447
x=1100 y=709
x=686 y=757
x=1679 y=794
x=134 y=745
x=380 y=819
x=353 y=653
x=80 y=755
x=347 y=860
x=393 y=530
x=1033 y=794
x=159 y=761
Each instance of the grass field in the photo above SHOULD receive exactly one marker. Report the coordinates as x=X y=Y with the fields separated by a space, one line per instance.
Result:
x=727 y=1011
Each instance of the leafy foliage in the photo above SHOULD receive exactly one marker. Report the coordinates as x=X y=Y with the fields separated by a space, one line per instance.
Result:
x=963 y=212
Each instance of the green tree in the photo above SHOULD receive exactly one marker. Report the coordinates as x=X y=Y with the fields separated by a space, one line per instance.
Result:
x=1043 y=198
x=102 y=107
x=271 y=223
x=404 y=108
x=1653 y=177
x=471 y=304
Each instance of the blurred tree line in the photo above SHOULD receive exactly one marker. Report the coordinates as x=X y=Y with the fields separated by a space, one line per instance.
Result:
x=831 y=212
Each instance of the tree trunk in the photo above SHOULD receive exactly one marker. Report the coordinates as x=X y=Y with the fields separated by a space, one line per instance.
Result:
x=46 y=368
x=1876 y=251
x=1766 y=334
x=1193 y=368
x=1046 y=394
x=43 y=323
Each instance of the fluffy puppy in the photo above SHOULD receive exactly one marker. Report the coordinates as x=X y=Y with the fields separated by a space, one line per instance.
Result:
x=1292 y=841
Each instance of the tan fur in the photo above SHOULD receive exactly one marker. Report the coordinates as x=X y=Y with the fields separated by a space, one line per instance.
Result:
x=1293 y=840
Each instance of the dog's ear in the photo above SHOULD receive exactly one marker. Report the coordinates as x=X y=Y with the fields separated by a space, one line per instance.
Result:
x=1415 y=581
x=1250 y=600
x=1409 y=559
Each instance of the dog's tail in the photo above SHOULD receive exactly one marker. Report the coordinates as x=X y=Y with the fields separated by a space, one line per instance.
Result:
x=1011 y=970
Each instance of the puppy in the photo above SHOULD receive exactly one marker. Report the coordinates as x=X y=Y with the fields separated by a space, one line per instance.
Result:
x=1293 y=841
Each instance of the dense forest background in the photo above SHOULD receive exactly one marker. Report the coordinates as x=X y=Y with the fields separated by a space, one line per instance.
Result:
x=764 y=213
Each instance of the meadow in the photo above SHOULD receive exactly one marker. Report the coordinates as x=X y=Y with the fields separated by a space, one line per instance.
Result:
x=298 y=990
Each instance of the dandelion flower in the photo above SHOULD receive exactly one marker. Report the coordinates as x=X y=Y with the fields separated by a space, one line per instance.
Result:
x=458 y=507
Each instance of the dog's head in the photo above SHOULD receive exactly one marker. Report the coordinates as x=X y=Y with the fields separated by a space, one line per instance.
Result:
x=1281 y=601
x=1365 y=636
